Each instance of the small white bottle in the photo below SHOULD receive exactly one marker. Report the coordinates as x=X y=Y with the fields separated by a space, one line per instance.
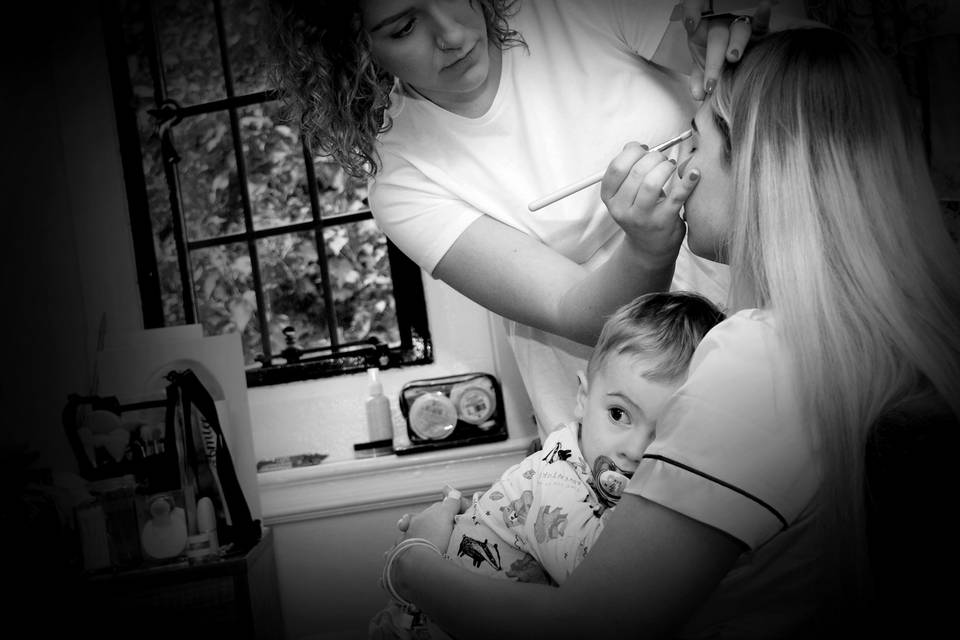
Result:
x=400 y=438
x=379 y=419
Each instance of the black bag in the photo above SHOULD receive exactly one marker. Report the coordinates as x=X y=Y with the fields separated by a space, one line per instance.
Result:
x=205 y=467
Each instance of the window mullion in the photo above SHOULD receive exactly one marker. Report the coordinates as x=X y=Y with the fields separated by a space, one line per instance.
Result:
x=258 y=234
x=242 y=180
x=224 y=104
x=329 y=310
x=170 y=171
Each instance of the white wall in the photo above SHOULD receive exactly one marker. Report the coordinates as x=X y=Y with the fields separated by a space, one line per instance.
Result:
x=67 y=254
x=327 y=416
x=331 y=532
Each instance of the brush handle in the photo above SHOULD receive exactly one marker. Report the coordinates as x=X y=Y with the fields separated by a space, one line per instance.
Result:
x=570 y=189
x=560 y=194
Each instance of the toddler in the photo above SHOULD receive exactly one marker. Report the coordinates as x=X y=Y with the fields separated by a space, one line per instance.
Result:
x=539 y=520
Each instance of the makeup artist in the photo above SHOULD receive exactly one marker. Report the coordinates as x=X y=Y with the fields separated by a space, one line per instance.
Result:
x=464 y=111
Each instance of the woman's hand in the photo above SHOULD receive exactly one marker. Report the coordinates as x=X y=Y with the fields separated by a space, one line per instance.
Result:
x=635 y=192
x=714 y=41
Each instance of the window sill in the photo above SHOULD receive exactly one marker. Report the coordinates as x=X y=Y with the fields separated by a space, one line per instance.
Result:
x=368 y=484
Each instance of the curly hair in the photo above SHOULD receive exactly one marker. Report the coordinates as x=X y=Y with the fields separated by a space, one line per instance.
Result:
x=329 y=83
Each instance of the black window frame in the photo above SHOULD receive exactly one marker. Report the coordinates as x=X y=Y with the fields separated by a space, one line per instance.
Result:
x=295 y=363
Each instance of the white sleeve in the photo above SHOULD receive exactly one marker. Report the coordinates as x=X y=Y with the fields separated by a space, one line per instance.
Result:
x=732 y=449
x=418 y=215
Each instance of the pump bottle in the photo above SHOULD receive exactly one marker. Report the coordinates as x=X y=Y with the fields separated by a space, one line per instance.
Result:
x=379 y=419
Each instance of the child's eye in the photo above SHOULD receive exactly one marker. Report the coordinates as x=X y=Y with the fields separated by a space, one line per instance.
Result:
x=618 y=415
x=405 y=30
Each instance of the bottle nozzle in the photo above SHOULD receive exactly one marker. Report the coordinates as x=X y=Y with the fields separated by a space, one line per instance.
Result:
x=376 y=387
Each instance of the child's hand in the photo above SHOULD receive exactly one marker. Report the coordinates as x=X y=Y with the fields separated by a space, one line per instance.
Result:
x=435 y=523
x=636 y=192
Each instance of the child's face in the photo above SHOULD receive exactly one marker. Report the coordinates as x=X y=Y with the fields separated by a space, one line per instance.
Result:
x=618 y=410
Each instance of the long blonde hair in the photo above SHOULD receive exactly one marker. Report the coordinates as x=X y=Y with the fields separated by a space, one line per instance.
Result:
x=838 y=230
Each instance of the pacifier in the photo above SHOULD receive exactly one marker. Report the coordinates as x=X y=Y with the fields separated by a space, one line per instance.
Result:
x=611 y=479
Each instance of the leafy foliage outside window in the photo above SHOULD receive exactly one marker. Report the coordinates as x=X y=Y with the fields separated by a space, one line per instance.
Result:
x=235 y=206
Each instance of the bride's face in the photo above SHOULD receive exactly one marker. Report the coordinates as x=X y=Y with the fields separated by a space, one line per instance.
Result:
x=708 y=211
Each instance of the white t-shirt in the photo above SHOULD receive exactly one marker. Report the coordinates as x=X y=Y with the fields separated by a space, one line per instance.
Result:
x=562 y=111
x=732 y=451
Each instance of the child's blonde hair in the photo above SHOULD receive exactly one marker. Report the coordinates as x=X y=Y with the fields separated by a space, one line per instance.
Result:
x=663 y=328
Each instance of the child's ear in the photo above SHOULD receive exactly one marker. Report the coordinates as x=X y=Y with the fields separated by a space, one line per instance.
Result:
x=582 y=392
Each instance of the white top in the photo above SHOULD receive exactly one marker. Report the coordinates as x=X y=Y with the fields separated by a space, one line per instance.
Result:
x=732 y=451
x=543 y=509
x=562 y=111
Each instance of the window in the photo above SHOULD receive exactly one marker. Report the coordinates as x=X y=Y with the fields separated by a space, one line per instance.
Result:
x=236 y=225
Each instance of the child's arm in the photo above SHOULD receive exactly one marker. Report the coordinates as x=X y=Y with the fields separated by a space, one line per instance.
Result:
x=566 y=524
x=483 y=542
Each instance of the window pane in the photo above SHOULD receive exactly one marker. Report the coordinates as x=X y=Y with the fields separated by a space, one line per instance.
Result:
x=209 y=189
x=242 y=20
x=226 y=301
x=190 y=51
x=293 y=289
x=168 y=269
x=276 y=172
x=191 y=172
x=339 y=193
x=361 y=283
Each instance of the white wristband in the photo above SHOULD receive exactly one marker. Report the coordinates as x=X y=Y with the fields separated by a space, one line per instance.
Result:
x=386 y=581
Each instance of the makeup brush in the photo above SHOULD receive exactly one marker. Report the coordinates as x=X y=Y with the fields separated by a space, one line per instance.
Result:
x=560 y=194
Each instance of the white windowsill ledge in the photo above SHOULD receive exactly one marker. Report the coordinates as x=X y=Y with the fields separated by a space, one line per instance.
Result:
x=367 y=484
